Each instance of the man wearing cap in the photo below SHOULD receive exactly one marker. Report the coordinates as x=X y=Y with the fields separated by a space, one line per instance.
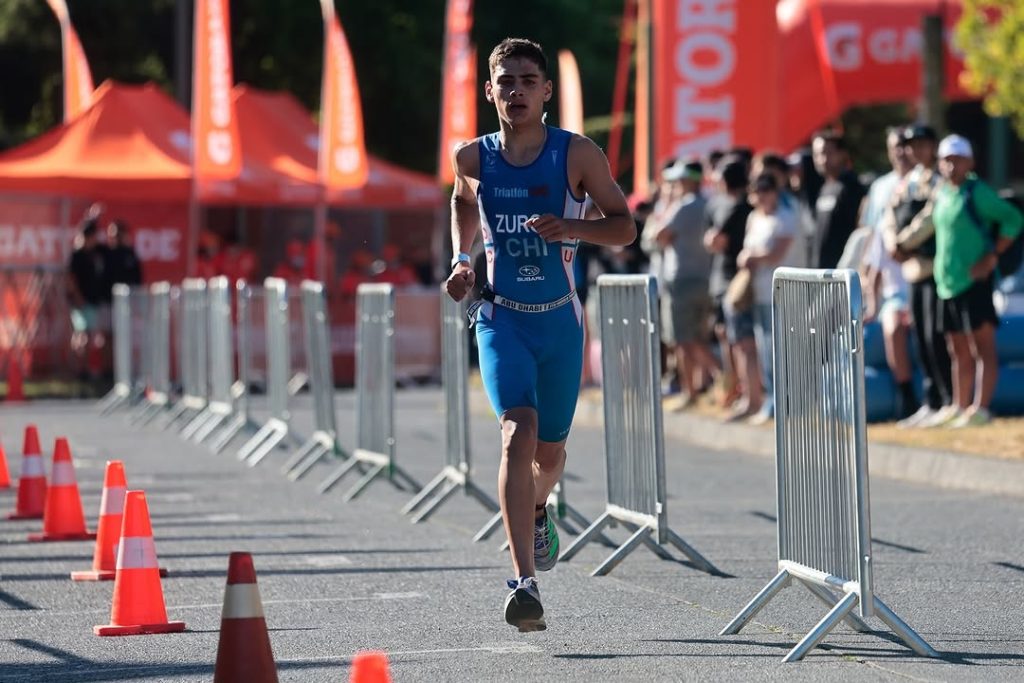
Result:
x=910 y=239
x=967 y=251
x=686 y=310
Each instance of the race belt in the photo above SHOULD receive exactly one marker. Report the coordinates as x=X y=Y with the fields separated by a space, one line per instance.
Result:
x=488 y=295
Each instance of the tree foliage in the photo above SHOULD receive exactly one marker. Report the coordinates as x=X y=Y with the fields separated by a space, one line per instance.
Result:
x=277 y=44
x=991 y=34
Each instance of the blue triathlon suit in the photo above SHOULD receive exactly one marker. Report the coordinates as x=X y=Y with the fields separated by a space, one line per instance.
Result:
x=530 y=359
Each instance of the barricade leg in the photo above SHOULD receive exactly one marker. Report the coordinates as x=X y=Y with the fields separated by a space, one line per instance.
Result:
x=830 y=600
x=585 y=537
x=177 y=412
x=365 y=481
x=428 y=509
x=196 y=424
x=209 y=427
x=822 y=628
x=114 y=399
x=901 y=629
x=427 y=491
x=765 y=596
x=485 y=500
x=489 y=528
x=695 y=557
x=257 y=448
x=331 y=481
x=309 y=454
x=228 y=432
x=625 y=549
x=275 y=437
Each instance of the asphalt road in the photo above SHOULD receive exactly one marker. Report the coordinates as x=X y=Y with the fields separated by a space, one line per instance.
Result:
x=340 y=577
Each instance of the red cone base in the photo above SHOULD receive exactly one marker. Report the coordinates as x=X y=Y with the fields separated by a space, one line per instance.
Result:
x=139 y=629
x=87 y=536
x=17 y=515
x=102 y=575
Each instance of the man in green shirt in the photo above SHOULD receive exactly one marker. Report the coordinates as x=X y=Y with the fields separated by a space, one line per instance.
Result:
x=966 y=255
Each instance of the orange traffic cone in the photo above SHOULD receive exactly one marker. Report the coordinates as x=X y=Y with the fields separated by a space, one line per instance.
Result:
x=108 y=529
x=63 y=519
x=138 y=605
x=5 y=474
x=243 y=654
x=32 y=482
x=370 y=667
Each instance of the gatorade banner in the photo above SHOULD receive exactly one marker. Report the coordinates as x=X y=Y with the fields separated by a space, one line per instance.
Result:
x=216 y=149
x=458 y=99
x=714 y=75
x=342 y=160
x=78 y=87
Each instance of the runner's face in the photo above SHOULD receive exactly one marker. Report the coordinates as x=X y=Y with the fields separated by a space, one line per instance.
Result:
x=518 y=90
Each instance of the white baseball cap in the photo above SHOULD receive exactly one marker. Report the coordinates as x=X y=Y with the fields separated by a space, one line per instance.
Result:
x=955 y=146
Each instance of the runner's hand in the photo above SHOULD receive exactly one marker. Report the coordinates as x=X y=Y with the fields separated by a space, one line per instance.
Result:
x=460 y=281
x=550 y=227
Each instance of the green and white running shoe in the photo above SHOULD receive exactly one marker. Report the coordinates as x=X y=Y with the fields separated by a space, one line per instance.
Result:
x=545 y=543
x=522 y=606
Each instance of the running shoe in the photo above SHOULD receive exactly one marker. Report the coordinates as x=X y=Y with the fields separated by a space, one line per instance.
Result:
x=522 y=606
x=972 y=417
x=545 y=543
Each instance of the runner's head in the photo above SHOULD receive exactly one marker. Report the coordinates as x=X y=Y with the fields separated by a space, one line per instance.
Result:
x=519 y=84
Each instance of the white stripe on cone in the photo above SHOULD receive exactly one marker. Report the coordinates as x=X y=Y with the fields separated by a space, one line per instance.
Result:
x=242 y=601
x=136 y=552
x=112 y=502
x=32 y=466
x=63 y=474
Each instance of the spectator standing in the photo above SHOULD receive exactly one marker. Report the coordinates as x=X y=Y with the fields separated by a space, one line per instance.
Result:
x=909 y=237
x=838 y=203
x=686 y=312
x=88 y=291
x=967 y=254
x=770 y=242
x=886 y=292
x=727 y=216
x=123 y=264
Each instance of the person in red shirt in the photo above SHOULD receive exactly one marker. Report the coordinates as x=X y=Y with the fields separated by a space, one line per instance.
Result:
x=360 y=270
x=396 y=271
x=294 y=267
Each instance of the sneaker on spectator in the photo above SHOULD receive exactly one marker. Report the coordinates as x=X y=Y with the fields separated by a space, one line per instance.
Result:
x=941 y=417
x=972 y=417
x=915 y=420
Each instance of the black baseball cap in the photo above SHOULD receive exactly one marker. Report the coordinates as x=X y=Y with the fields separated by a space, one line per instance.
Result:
x=919 y=131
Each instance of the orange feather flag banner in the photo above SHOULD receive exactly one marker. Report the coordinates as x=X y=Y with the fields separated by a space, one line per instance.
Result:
x=217 y=151
x=78 y=87
x=570 y=93
x=343 y=164
x=458 y=97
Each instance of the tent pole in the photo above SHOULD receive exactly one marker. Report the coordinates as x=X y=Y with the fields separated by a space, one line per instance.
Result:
x=320 y=239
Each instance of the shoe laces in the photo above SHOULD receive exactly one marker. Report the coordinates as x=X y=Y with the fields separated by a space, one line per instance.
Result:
x=526 y=582
x=542 y=539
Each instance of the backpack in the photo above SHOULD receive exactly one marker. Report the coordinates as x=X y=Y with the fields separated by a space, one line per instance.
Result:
x=1010 y=260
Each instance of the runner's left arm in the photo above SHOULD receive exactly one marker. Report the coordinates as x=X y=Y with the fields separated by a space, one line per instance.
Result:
x=590 y=174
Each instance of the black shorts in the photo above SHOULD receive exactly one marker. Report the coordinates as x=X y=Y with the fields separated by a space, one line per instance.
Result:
x=970 y=310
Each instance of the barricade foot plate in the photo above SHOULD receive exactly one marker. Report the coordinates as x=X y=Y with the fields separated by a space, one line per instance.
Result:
x=139 y=629
x=15 y=515
x=43 y=538
x=102 y=575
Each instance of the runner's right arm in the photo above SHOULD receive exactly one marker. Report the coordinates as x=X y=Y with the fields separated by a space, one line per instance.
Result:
x=465 y=216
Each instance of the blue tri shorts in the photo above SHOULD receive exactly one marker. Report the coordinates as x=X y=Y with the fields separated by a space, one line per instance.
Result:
x=532 y=360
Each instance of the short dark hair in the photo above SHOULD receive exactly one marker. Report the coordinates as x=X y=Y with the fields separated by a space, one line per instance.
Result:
x=766 y=182
x=833 y=136
x=774 y=162
x=518 y=48
x=734 y=173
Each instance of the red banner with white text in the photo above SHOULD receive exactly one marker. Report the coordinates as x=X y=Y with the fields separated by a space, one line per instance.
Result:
x=217 y=152
x=458 y=97
x=343 y=162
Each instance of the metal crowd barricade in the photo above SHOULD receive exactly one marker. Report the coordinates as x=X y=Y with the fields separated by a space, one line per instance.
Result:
x=821 y=463
x=122 y=333
x=299 y=362
x=375 y=394
x=276 y=428
x=457 y=472
x=316 y=329
x=241 y=420
x=192 y=338
x=220 y=362
x=157 y=354
x=634 y=439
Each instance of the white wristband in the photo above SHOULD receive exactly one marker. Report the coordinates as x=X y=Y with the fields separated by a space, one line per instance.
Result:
x=461 y=257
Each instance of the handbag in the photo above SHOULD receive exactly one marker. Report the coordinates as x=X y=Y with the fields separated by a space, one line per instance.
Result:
x=739 y=296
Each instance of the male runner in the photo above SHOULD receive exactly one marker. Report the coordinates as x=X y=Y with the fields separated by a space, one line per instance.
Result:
x=525 y=186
